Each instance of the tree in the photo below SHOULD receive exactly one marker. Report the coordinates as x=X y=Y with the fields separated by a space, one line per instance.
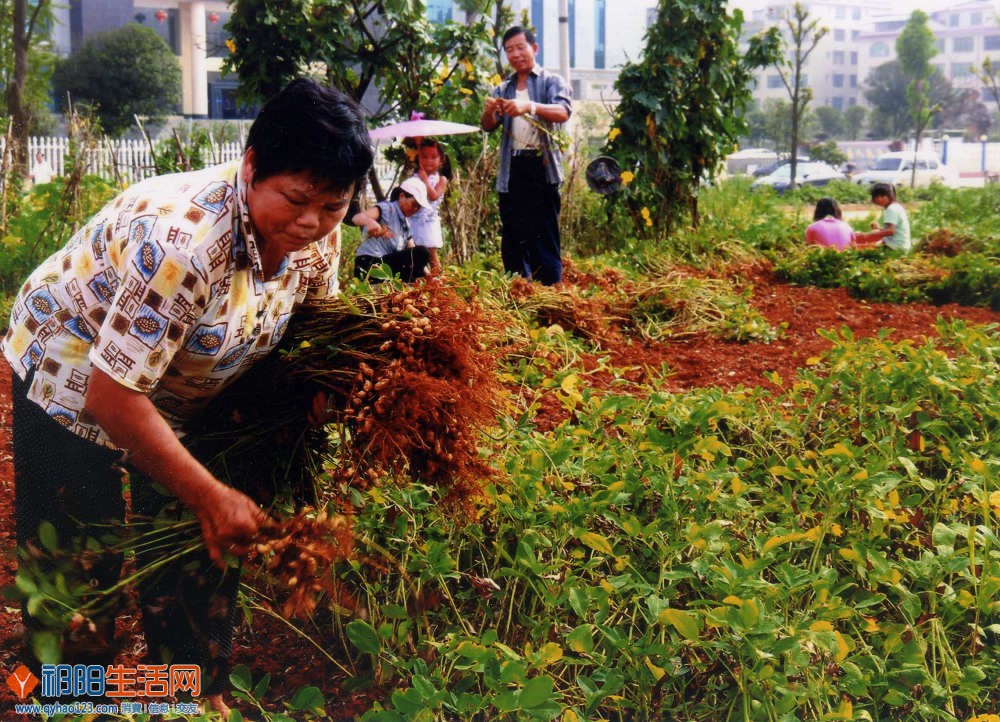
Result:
x=854 y=120
x=778 y=121
x=26 y=64
x=989 y=74
x=682 y=106
x=885 y=90
x=915 y=47
x=121 y=73
x=965 y=110
x=805 y=35
x=831 y=121
x=386 y=54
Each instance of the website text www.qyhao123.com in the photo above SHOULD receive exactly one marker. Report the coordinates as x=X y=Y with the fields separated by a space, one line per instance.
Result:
x=72 y=684
x=49 y=709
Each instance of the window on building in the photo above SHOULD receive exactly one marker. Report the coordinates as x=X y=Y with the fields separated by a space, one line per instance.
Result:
x=852 y=101
x=962 y=45
x=855 y=34
x=804 y=81
x=991 y=42
x=961 y=70
x=852 y=81
x=600 y=20
x=854 y=57
x=571 y=9
x=840 y=12
x=538 y=20
x=439 y=11
x=953 y=20
x=839 y=36
x=838 y=57
x=837 y=102
x=216 y=35
x=774 y=81
x=975 y=19
x=879 y=50
x=855 y=14
x=939 y=44
x=838 y=80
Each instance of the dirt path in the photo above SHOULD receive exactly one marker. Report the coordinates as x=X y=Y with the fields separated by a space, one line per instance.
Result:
x=695 y=362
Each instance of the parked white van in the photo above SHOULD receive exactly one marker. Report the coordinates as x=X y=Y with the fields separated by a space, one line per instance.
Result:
x=897 y=168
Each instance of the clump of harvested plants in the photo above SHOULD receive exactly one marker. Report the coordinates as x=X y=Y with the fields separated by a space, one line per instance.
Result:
x=409 y=382
x=295 y=556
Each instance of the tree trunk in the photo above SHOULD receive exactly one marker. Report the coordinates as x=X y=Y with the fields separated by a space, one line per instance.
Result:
x=16 y=109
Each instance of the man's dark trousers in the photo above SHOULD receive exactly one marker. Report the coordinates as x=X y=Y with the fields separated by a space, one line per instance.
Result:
x=529 y=213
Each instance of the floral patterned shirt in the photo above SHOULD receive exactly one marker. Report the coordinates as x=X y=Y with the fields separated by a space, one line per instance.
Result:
x=163 y=290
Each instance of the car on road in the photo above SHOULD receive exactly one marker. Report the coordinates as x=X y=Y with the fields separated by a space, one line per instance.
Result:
x=807 y=173
x=768 y=169
x=897 y=168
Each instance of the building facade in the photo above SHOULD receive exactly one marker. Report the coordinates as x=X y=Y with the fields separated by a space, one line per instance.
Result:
x=194 y=30
x=603 y=36
x=862 y=37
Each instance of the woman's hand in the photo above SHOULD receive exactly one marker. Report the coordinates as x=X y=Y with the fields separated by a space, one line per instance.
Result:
x=229 y=519
x=229 y=522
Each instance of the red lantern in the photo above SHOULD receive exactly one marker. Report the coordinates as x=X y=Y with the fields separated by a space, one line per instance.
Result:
x=160 y=15
x=213 y=18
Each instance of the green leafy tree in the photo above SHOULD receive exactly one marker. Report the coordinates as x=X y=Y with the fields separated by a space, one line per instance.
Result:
x=384 y=54
x=885 y=90
x=778 y=122
x=964 y=111
x=854 y=121
x=915 y=47
x=831 y=121
x=828 y=152
x=682 y=107
x=989 y=75
x=803 y=35
x=122 y=73
x=26 y=64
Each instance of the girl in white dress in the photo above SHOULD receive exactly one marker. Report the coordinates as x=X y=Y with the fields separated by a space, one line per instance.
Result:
x=425 y=226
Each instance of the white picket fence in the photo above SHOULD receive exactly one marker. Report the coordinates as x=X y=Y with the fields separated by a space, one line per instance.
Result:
x=124 y=160
x=133 y=161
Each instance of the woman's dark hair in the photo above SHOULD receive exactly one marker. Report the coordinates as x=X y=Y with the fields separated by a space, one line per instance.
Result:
x=313 y=128
x=827 y=206
x=884 y=189
x=518 y=30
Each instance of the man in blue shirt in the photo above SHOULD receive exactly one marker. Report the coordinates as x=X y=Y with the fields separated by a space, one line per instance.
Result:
x=528 y=104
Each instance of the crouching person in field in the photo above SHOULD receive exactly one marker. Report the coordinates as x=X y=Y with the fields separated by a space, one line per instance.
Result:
x=386 y=237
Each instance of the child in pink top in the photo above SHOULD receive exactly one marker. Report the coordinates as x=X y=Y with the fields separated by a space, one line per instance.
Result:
x=828 y=227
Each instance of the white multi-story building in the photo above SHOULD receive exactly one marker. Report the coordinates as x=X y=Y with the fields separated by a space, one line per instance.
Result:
x=861 y=37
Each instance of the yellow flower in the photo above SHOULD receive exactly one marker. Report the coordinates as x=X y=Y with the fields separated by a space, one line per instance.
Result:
x=467 y=65
x=615 y=132
x=627 y=177
x=646 y=215
x=496 y=79
x=230 y=46
x=465 y=91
